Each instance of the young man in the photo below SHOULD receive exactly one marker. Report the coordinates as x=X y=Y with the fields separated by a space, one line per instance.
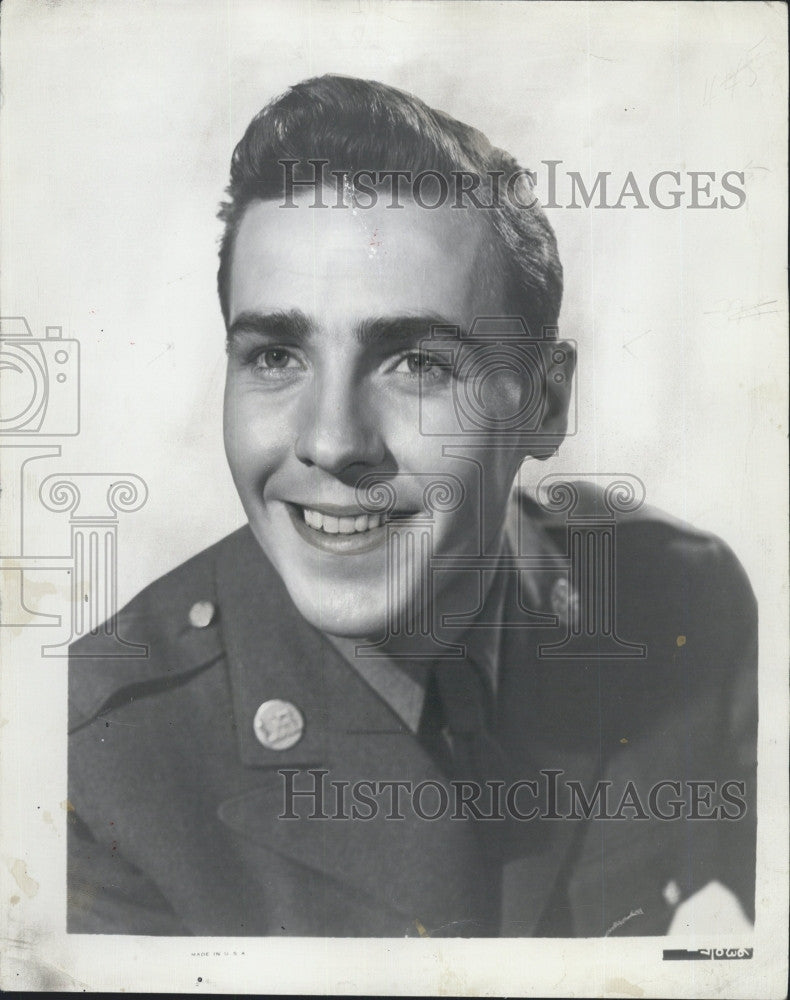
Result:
x=397 y=702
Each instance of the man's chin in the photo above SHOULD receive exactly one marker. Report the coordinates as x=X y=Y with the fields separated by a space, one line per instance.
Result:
x=344 y=619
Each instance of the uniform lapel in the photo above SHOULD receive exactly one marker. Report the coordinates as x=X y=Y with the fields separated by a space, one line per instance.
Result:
x=543 y=751
x=540 y=738
x=421 y=869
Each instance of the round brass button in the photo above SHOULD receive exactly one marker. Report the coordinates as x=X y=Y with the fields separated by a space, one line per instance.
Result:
x=278 y=724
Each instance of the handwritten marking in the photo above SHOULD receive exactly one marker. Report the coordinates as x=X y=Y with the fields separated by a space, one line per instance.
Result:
x=743 y=74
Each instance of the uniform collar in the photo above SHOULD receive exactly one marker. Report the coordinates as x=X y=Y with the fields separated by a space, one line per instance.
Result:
x=401 y=683
x=273 y=653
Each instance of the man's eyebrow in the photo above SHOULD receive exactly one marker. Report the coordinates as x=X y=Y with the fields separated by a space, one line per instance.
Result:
x=291 y=323
x=380 y=330
x=407 y=329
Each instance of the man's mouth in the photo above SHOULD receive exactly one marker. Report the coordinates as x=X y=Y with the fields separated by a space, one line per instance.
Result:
x=341 y=530
x=341 y=525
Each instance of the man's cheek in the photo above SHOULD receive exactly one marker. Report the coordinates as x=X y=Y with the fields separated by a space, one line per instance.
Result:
x=249 y=466
x=254 y=434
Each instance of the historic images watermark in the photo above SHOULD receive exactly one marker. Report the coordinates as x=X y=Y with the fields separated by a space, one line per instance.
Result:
x=553 y=186
x=312 y=794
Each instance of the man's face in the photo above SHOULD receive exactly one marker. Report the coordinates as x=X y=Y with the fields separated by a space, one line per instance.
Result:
x=325 y=383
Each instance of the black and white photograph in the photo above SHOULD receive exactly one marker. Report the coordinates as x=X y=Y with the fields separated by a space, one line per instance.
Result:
x=393 y=428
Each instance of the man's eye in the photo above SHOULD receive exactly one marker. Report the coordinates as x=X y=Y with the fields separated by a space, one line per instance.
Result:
x=275 y=358
x=420 y=363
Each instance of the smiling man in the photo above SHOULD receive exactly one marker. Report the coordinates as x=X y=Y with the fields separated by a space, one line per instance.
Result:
x=364 y=713
x=328 y=380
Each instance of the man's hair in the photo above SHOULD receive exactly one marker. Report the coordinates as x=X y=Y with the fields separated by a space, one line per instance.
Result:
x=363 y=125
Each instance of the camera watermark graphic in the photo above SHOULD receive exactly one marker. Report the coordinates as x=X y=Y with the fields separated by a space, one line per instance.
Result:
x=510 y=395
x=499 y=351
x=40 y=400
x=40 y=379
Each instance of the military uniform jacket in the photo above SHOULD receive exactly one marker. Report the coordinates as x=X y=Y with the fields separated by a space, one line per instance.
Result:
x=175 y=804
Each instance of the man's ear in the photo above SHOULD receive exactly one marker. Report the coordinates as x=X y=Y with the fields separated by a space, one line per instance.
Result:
x=560 y=364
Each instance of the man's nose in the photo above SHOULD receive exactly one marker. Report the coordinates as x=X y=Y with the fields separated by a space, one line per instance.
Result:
x=339 y=427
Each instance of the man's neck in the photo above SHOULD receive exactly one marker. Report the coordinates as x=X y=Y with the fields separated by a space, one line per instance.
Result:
x=400 y=680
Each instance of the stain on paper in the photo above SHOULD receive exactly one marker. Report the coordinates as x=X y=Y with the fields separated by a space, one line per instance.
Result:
x=28 y=885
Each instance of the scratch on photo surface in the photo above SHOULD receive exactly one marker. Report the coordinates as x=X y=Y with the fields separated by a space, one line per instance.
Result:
x=619 y=923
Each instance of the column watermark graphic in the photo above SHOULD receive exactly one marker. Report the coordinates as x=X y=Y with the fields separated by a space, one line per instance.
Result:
x=94 y=502
x=411 y=631
x=590 y=620
x=39 y=402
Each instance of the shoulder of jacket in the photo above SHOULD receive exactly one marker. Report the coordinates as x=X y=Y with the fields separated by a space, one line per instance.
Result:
x=165 y=632
x=665 y=548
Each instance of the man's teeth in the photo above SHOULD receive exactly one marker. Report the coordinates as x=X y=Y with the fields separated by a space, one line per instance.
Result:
x=341 y=525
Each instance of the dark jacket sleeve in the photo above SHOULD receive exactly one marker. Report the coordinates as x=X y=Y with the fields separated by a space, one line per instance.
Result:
x=107 y=895
x=688 y=714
